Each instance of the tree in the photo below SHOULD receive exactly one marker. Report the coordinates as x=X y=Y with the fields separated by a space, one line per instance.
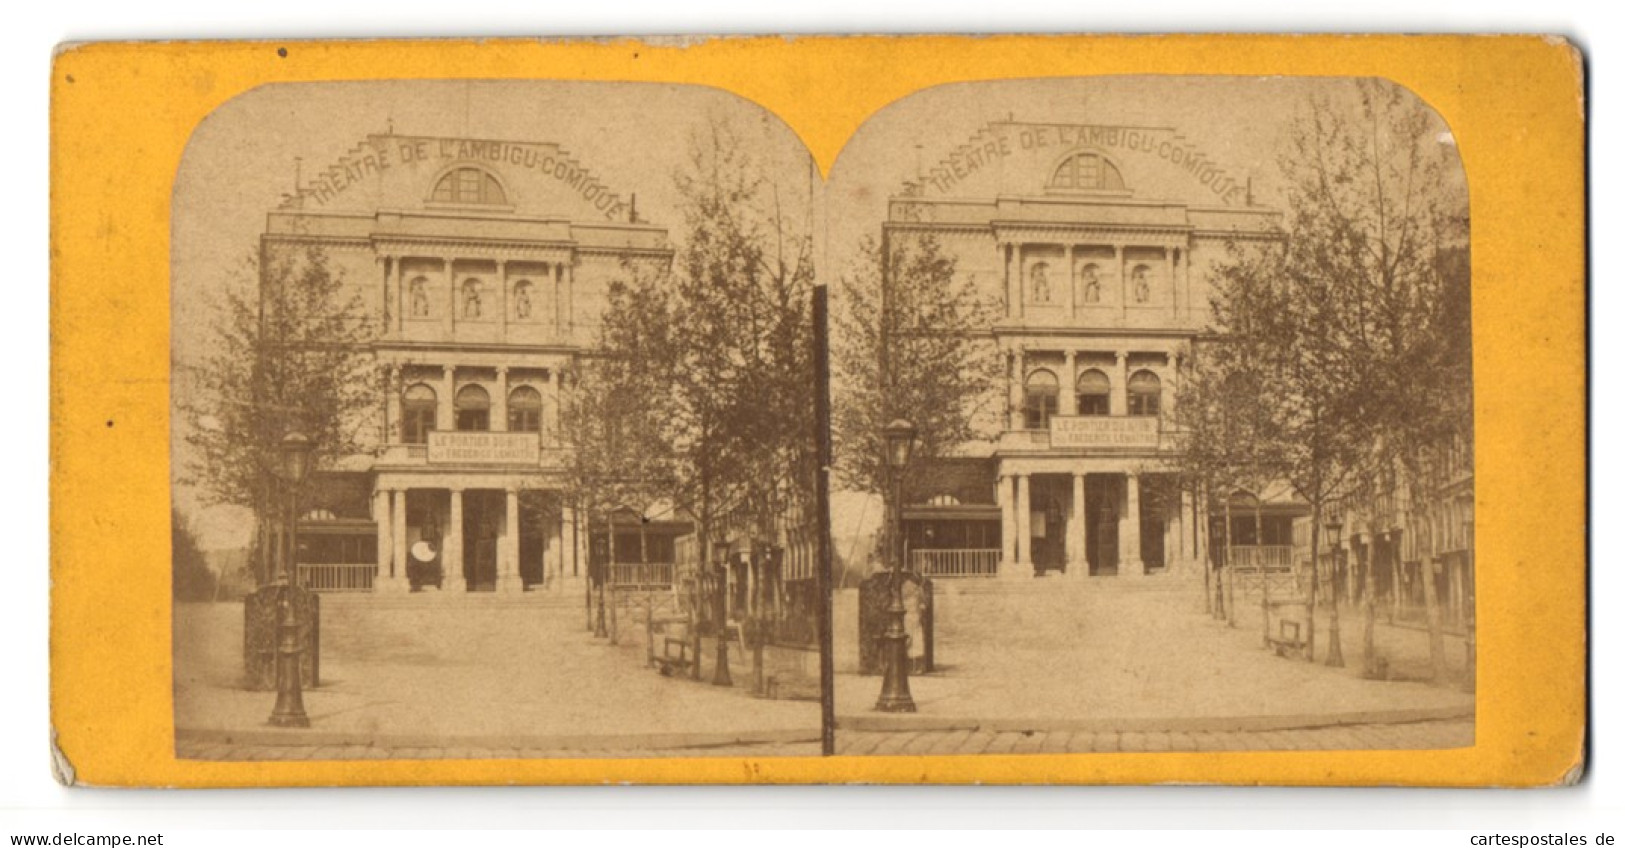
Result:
x=291 y=353
x=1377 y=209
x=703 y=368
x=913 y=346
x=1361 y=345
x=193 y=580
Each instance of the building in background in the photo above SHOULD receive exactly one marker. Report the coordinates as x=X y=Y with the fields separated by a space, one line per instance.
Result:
x=1096 y=241
x=484 y=264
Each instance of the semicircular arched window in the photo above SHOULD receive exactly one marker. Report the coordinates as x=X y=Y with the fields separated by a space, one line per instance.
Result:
x=473 y=408
x=525 y=410
x=418 y=406
x=1086 y=171
x=1041 y=400
x=469 y=185
x=1094 y=393
x=1144 y=394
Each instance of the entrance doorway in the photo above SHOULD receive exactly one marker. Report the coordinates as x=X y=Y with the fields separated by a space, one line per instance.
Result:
x=482 y=521
x=1049 y=522
x=1101 y=495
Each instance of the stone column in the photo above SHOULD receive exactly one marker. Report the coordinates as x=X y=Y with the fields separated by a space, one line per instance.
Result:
x=398 y=554
x=502 y=298
x=395 y=315
x=1173 y=288
x=1069 y=385
x=1174 y=554
x=392 y=405
x=1128 y=534
x=451 y=295
x=1120 y=385
x=1012 y=290
x=384 y=579
x=565 y=542
x=1189 y=526
x=1024 y=526
x=1007 y=525
x=1078 y=545
x=553 y=564
x=1170 y=394
x=1018 y=379
x=388 y=263
x=568 y=270
x=499 y=404
x=1122 y=280
x=1185 y=271
x=558 y=298
x=445 y=417
x=550 y=409
x=451 y=558
x=508 y=579
x=1071 y=284
x=1018 y=281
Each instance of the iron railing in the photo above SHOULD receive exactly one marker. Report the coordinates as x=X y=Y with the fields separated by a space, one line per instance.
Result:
x=642 y=575
x=337 y=577
x=955 y=562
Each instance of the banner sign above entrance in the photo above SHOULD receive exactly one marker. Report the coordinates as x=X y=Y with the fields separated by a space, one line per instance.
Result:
x=1101 y=431
x=485 y=448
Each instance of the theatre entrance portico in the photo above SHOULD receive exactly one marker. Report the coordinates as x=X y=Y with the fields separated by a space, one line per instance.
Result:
x=486 y=531
x=1092 y=517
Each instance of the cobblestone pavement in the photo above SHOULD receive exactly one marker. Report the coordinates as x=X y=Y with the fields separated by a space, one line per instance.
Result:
x=1454 y=733
x=225 y=751
x=1422 y=735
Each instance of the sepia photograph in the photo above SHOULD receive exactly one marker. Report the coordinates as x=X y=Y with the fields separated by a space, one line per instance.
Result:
x=489 y=425
x=1153 y=420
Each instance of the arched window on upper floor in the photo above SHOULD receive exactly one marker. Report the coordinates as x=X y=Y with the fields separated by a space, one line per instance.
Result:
x=525 y=410
x=1144 y=394
x=1086 y=172
x=473 y=408
x=1094 y=393
x=469 y=185
x=1041 y=399
x=418 y=406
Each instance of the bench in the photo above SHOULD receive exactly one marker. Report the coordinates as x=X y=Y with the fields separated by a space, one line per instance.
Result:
x=673 y=637
x=1289 y=634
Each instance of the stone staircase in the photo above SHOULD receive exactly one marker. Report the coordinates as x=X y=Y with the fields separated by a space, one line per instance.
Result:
x=548 y=598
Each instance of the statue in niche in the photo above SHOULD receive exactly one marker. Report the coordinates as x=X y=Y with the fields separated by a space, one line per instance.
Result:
x=1142 y=286
x=420 y=298
x=1091 y=285
x=521 y=301
x=1040 y=274
x=471 y=299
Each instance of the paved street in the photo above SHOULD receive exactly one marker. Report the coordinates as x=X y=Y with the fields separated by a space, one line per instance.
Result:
x=1414 y=735
x=424 y=673
x=1074 y=655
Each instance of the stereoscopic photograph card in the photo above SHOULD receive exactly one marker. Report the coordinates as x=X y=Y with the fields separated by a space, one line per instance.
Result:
x=1042 y=409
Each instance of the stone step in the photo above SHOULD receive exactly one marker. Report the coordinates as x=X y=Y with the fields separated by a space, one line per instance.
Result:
x=1060 y=584
x=484 y=600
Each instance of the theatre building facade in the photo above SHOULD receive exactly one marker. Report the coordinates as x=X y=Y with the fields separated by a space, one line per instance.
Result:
x=483 y=266
x=1096 y=243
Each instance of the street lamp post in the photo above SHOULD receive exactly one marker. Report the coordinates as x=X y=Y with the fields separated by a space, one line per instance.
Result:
x=290 y=700
x=1334 y=530
x=894 y=694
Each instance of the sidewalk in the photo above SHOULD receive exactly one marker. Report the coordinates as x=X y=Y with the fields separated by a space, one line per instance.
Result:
x=1092 y=656
x=446 y=673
